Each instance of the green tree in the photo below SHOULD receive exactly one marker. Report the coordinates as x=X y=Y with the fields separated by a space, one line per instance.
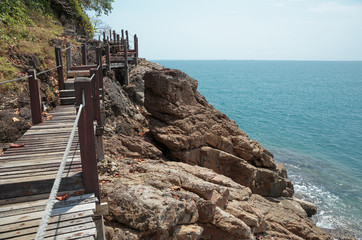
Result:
x=98 y=6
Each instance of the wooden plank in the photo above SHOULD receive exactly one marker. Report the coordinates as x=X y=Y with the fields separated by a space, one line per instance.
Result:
x=79 y=73
x=40 y=206
x=8 y=201
x=41 y=177
x=10 y=173
x=34 y=155
x=54 y=219
x=19 y=189
x=21 y=231
x=76 y=235
x=67 y=172
x=39 y=214
x=63 y=233
x=38 y=167
x=35 y=161
x=42 y=202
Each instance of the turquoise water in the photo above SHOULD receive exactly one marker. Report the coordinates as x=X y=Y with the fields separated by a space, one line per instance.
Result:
x=308 y=114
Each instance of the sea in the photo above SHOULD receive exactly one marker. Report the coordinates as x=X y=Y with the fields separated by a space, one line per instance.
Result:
x=308 y=114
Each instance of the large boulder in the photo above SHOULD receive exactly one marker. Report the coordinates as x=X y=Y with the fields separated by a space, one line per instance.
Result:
x=193 y=131
x=156 y=199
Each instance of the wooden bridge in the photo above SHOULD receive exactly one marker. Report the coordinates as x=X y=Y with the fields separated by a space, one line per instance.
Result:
x=55 y=148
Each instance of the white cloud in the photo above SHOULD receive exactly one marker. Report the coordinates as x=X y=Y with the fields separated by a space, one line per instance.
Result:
x=336 y=7
x=278 y=5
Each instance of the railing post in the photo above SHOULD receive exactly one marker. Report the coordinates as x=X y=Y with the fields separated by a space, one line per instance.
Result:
x=100 y=69
x=127 y=43
x=34 y=89
x=83 y=87
x=136 y=48
x=108 y=57
x=84 y=54
x=126 y=70
x=118 y=43
x=69 y=56
x=59 y=62
x=95 y=93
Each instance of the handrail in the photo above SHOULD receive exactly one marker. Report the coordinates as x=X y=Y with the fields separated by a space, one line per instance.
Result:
x=49 y=207
x=25 y=77
x=16 y=79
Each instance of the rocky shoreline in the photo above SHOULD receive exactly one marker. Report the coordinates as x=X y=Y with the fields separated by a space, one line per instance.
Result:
x=176 y=168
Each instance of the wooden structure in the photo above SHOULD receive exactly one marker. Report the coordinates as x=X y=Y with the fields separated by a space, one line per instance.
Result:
x=27 y=173
x=26 y=179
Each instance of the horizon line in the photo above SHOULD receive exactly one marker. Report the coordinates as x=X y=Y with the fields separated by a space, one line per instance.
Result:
x=296 y=60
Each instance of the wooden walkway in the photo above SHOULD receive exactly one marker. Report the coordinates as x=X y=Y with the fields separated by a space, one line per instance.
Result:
x=26 y=178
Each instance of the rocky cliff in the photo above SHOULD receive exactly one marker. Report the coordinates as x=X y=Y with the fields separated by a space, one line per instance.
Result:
x=176 y=168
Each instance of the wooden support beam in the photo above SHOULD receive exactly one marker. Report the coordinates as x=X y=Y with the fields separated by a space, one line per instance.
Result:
x=126 y=70
x=79 y=73
x=83 y=90
x=83 y=67
x=84 y=54
x=136 y=49
x=95 y=93
x=69 y=56
x=108 y=57
x=35 y=102
x=60 y=70
x=100 y=69
x=118 y=44
x=127 y=40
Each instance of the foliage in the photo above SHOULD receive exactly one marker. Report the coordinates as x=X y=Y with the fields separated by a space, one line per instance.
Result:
x=98 y=6
x=26 y=27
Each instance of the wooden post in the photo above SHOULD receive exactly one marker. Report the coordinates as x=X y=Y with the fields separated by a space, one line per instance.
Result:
x=118 y=44
x=82 y=86
x=126 y=70
x=127 y=43
x=110 y=35
x=84 y=54
x=95 y=93
x=100 y=69
x=122 y=32
x=69 y=56
x=108 y=57
x=60 y=70
x=104 y=36
x=35 y=102
x=97 y=115
x=136 y=49
x=114 y=36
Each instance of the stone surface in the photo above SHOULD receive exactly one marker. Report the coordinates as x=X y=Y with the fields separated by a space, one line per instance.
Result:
x=194 y=132
x=154 y=199
x=151 y=197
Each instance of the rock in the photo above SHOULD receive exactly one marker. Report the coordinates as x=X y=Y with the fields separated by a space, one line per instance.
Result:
x=154 y=199
x=285 y=219
x=188 y=232
x=310 y=208
x=194 y=132
x=150 y=197
x=123 y=116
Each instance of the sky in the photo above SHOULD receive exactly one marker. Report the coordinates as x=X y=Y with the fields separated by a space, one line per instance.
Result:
x=242 y=29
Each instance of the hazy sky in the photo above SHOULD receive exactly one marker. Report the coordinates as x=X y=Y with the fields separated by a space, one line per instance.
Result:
x=242 y=29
